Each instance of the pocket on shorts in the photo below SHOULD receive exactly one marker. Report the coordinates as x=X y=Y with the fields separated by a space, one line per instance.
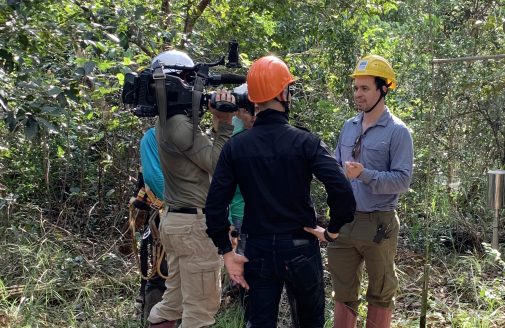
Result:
x=391 y=223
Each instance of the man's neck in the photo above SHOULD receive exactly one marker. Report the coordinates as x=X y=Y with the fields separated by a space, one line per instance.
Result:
x=275 y=105
x=369 y=119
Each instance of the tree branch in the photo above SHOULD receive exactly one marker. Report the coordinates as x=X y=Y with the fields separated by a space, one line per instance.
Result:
x=165 y=9
x=166 y=22
x=192 y=16
x=136 y=38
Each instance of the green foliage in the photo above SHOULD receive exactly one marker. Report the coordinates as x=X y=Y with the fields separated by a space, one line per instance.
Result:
x=69 y=150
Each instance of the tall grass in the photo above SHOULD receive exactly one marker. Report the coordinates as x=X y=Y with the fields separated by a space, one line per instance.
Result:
x=51 y=277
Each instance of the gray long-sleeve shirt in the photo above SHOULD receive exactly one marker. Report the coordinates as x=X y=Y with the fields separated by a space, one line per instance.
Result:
x=186 y=163
x=387 y=155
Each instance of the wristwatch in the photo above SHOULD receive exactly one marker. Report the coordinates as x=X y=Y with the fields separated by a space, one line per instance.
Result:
x=222 y=251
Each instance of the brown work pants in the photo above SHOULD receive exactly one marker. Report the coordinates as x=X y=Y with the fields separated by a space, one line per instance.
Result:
x=194 y=284
x=354 y=247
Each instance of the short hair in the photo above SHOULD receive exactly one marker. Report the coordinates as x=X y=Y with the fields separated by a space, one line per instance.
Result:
x=380 y=82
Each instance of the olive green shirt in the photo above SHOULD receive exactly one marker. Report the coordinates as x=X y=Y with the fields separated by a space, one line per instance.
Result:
x=187 y=165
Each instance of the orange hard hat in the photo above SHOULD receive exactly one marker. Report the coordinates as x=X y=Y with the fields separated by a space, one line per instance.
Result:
x=266 y=79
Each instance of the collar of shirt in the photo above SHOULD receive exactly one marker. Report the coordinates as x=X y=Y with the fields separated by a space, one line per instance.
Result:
x=383 y=120
x=270 y=116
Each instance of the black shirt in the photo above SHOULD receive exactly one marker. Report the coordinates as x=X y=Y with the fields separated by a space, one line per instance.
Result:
x=273 y=164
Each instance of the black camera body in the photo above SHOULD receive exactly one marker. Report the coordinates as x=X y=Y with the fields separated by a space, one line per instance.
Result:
x=241 y=101
x=139 y=89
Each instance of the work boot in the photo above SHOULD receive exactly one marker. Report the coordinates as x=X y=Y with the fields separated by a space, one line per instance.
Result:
x=164 y=324
x=344 y=316
x=378 y=317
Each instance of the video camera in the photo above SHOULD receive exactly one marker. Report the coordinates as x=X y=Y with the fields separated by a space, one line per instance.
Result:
x=180 y=88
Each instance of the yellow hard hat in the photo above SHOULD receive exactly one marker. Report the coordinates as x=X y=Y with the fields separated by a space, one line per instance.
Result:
x=373 y=65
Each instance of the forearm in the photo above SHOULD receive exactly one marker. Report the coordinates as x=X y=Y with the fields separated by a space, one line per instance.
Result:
x=396 y=177
x=206 y=154
x=341 y=212
x=389 y=182
x=217 y=221
x=223 y=134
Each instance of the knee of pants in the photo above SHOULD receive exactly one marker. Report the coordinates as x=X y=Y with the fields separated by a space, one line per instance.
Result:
x=385 y=299
x=382 y=293
x=346 y=290
x=346 y=268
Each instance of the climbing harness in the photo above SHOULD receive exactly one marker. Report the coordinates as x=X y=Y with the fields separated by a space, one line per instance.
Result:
x=147 y=197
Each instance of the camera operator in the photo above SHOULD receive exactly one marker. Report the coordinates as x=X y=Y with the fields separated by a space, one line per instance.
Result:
x=188 y=159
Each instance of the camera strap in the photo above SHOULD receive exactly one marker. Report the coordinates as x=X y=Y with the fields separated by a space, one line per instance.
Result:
x=195 y=107
x=161 y=95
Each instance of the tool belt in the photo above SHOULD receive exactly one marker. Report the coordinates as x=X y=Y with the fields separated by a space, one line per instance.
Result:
x=146 y=204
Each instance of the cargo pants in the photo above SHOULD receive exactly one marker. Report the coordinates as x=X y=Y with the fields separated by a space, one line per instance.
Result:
x=194 y=267
x=355 y=249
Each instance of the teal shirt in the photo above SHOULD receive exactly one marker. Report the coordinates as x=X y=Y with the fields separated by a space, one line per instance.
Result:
x=150 y=161
x=237 y=206
x=237 y=203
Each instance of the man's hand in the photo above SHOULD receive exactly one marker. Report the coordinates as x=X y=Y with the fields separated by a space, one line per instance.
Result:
x=353 y=169
x=234 y=264
x=222 y=96
x=319 y=233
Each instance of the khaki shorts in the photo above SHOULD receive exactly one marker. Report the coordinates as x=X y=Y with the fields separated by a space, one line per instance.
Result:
x=355 y=249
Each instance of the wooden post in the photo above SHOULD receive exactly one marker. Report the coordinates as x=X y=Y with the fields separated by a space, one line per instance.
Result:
x=496 y=199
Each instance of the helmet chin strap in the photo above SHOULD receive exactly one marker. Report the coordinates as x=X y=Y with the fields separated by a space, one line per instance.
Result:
x=284 y=103
x=373 y=107
x=383 y=95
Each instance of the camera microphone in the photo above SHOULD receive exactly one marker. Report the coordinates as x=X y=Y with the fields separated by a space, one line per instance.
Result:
x=226 y=78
